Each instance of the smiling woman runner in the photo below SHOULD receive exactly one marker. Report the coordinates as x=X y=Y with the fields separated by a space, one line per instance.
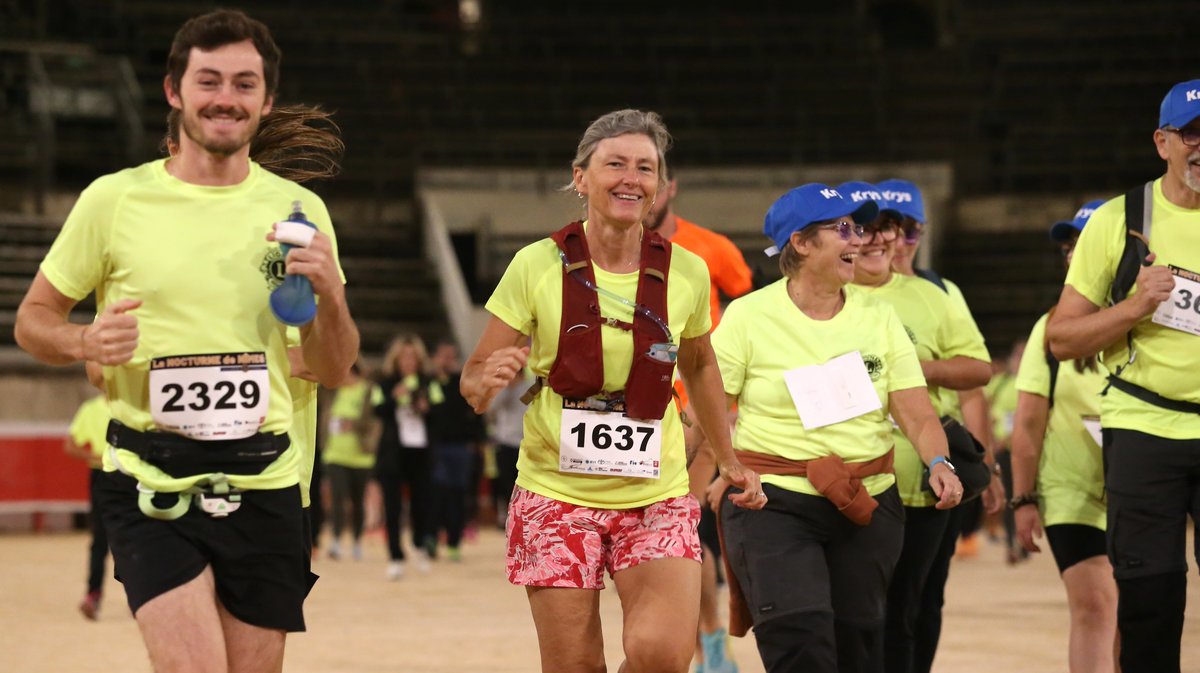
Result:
x=602 y=477
x=817 y=371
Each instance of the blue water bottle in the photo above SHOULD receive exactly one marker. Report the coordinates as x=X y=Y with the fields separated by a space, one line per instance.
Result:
x=293 y=302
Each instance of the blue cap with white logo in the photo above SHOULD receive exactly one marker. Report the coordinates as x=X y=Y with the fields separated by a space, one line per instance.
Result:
x=864 y=194
x=903 y=197
x=1181 y=105
x=808 y=204
x=1061 y=232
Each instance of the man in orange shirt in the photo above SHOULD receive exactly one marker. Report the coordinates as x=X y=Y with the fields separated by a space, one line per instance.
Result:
x=731 y=276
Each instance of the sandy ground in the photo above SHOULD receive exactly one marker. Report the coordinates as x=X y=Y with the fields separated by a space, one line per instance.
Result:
x=465 y=616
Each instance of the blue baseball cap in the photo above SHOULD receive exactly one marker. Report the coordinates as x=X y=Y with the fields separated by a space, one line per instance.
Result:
x=807 y=204
x=1061 y=232
x=864 y=194
x=903 y=197
x=1181 y=105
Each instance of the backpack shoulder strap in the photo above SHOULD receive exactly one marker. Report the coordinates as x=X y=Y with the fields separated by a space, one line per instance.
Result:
x=1053 y=363
x=933 y=277
x=1139 y=203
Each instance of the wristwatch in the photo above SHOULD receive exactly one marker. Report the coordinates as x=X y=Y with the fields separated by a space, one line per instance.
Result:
x=942 y=459
x=1030 y=498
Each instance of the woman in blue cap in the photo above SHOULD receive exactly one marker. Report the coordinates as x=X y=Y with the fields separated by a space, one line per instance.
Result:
x=816 y=371
x=1058 y=478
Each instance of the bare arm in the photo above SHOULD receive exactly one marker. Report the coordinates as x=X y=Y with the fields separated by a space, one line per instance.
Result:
x=957 y=373
x=74 y=450
x=330 y=342
x=706 y=395
x=1078 y=328
x=499 y=357
x=43 y=330
x=1029 y=432
x=919 y=422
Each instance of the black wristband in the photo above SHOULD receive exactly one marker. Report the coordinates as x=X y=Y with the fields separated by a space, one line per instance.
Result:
x=1030 y=498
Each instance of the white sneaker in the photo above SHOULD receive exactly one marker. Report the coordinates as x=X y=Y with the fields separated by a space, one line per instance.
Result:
x=395 y=570
x=356 y=552
x=423 y=564
x=335 y=550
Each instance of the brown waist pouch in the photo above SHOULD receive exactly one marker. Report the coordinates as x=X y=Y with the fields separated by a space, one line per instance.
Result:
x=840 y=482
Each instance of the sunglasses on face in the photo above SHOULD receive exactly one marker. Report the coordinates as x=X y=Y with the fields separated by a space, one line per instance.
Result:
x=912 y=230
x=1188 y=136
x=844 y=228
x=886 y=229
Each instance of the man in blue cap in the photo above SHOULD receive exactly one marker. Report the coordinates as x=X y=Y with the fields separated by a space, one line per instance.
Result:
x=1151 y=410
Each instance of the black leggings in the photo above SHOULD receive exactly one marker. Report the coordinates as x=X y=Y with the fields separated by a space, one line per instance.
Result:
x=413 y=472
x=347 y=484
x=99 y=549
x=925 y=530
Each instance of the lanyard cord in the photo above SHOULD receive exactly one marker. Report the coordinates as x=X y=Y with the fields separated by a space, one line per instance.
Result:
x=637 y=308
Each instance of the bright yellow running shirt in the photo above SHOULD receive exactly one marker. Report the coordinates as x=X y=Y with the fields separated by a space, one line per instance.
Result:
x=198 y=258
x=1167 y=359
x=342 y=444
x=763 y=334
x=529 y=299
x=939 y=329
x=89 y=427
x=303 y=432
x=1001 y=393
x=1071 y=470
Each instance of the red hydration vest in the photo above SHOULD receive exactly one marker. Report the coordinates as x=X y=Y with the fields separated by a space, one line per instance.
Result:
x=578 y=370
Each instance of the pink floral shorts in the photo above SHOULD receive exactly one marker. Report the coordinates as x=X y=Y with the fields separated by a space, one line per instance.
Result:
x=557 y=544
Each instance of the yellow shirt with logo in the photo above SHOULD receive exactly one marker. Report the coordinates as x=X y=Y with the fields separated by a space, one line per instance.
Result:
x=1167 y=359
x=939 y=329
x=763 y=334
x=342 y=444
x=89 y=427
x=1071 y=470
x=529 y=299
x=198 y=259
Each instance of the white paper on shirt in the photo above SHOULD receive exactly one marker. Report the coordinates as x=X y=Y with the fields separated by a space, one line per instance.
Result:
x=835 y=391
x=1092 y=425
x=411 y=428
x=1181 y=310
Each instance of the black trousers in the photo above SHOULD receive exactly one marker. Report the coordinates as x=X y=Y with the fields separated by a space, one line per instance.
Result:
x=815 y=582
x=347 y=486
x=413 y=471
x=1153 y=486
x=933 y=598
x=98 y=552
x=925 y=530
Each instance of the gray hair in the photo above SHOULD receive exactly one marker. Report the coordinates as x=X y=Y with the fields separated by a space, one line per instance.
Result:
x=790 y=260
x=619 y=123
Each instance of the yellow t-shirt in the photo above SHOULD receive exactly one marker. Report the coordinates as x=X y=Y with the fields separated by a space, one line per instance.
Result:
x=1167 y=359
x=1071 y=470
x=939 y=329
x=1001 y=393
x=342 y=445
x=198 y=259
x=303 y=433
x=763 y=334
x=529 y=299
x=89 y=427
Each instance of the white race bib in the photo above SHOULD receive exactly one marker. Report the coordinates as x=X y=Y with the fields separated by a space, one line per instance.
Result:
x=1092 y=425
x=212 y=396
x=411 y=427
x=608 y=442
x=1181 y=310
x=835 y=391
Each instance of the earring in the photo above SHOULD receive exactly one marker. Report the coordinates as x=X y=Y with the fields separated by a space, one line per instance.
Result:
x=577 y=194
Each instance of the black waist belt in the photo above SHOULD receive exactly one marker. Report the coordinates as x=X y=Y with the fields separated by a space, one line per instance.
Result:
x=180 y=456
x=1151 y=397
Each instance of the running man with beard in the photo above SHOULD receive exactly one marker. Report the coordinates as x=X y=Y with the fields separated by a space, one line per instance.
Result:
x=728 y=274
x=200 y=488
